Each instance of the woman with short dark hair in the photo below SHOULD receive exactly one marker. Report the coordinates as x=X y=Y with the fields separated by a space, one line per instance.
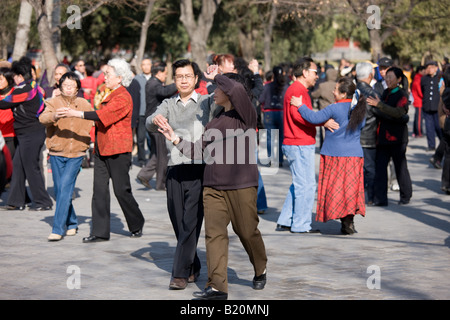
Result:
x=27 y=102
x=67 y=141
x=392 y=138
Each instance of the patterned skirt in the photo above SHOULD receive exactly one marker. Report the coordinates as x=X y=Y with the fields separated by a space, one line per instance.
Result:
x=340 y=188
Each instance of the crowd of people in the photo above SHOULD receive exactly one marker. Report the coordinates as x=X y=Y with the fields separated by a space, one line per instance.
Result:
x=198 y=137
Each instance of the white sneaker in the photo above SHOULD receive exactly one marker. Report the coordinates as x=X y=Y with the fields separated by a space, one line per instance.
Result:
x=54 y=237
x=71 y=232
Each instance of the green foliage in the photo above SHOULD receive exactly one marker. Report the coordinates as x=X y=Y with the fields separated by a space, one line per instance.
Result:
x=426 y=31
x=294 y=35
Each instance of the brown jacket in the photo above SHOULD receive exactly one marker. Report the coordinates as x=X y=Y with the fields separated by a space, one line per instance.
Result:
x=325 y=90
x=66 y=137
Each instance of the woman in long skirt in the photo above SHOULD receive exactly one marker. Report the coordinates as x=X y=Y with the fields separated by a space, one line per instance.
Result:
x=341 y=180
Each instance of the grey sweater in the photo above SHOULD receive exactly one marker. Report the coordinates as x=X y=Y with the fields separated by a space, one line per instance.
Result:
x=188 y=121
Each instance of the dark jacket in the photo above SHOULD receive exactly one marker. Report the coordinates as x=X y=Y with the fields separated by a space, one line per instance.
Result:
x=228 y=143
x=392 y=128
x=155 y=93
x=431 y=94
x=369 y=131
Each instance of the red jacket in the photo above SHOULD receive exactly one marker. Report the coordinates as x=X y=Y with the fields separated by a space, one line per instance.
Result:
x=92 y=84
x=7 y=121
x=297 y=131
x=114 y=134
x=416 y=91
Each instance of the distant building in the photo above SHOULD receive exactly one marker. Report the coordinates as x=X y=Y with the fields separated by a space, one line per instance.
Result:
x=343 y=49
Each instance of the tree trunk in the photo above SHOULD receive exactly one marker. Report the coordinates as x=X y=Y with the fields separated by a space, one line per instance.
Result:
x=144 y=30
x=23 y=28
x=247 y=44
x=376 y=44
x=45 y=35
x=268 y=30
x=198 y=31
x=54 y=6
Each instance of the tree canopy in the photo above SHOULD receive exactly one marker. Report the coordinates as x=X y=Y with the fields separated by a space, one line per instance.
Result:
x=273 y=31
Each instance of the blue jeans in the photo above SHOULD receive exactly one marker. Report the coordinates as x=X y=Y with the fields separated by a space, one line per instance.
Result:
x=297 y=208
x=274 y=120
x=261 y=202
x=65 y=172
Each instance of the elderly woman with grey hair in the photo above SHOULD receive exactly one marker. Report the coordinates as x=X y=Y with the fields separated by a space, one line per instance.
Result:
x=112 y=158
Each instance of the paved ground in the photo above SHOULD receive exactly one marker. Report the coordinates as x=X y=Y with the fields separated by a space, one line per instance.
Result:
x=399 y=252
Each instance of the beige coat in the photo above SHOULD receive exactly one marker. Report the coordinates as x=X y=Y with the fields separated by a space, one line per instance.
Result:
x=66 y=137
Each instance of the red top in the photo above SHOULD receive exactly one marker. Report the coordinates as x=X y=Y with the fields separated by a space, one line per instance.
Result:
x=416 y=91
x=114 y=134
x=7 y=122
x=91 y=83
x=296 y=130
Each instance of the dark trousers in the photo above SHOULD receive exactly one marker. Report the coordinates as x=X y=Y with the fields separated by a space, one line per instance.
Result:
x=142 y=137
x=398 y=154
x=369 y=172
x=432 y=128
x=239 y=207
x=116 y=168
x=418 y=122
x=26 y=168
x=157 y=162
x=446 y=165
x=185 y=206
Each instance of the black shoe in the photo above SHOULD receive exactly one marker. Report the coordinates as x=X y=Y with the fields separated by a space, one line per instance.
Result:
x=282 y=228
x=91 y=239
x=306 y=232
x=210 y=294
x=435 y=163
x=136 y=234
x=44 y=208
x=380 y=204
x=402 y=202
x=259 y=282
x=347 y=226
x=11 y=208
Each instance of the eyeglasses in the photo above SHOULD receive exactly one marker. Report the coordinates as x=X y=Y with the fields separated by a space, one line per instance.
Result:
x=313 y=70
x=184 y=76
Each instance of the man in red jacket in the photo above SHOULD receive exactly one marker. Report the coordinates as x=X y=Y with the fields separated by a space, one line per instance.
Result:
x=416 y=91
x=299 y=148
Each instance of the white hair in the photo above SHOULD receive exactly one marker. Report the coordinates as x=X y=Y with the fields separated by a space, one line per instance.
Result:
x=122 y=69
x=363 y=70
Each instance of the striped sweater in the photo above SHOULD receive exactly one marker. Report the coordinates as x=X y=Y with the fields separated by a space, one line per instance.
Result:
x=27 y=102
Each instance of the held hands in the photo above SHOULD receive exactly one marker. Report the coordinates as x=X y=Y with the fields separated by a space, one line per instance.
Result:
x=160 y=121
x=167 y=131
x=67 y=113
